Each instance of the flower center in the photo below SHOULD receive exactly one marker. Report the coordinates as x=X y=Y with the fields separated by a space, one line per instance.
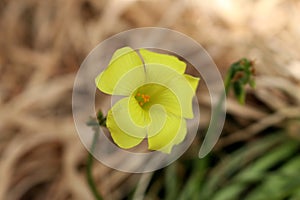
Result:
x=142 y=98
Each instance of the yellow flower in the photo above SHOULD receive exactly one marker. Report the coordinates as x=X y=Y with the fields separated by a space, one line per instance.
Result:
x=157 y=102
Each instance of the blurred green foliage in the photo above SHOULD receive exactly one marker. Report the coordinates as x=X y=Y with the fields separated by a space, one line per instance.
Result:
x=238 y=76
x=265 y=169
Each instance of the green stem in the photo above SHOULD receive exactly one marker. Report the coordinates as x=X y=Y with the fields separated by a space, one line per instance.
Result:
x=90 y=160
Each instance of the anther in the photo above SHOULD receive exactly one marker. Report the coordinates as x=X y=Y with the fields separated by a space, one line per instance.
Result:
x=142 y=98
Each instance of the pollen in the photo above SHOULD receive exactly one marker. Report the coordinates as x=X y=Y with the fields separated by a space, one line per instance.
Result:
x=142 y=98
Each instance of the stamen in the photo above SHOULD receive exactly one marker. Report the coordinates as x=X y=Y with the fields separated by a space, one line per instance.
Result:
x=142 y=98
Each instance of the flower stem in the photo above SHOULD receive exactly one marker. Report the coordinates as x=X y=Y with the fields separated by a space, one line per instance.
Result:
x=101 y=121
x=90 y=160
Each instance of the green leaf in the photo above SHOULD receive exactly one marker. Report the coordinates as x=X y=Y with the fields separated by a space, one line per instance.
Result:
x=193 y=186
x=236 y=161
x=230 y=192
x=268 y=160
x=171 y=182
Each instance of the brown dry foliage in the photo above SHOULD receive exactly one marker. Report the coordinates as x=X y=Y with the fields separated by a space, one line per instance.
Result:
x=42 y=44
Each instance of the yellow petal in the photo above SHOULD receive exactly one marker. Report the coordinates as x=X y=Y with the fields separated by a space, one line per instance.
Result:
x=161 y=95
x=185 y=94
x=181 y=133
x=158 y=117
x=139 y=116
x=178 y=139
x=182 y=86
x=173 y=62
x=171 y=133
x=122 y=62
x=123 y=131
x=193 y=81
x=130 y=81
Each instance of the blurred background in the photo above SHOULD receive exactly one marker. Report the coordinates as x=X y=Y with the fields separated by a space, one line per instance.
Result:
x=43 y=43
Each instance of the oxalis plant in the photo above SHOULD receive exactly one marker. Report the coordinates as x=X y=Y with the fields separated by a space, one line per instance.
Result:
x=157 y=102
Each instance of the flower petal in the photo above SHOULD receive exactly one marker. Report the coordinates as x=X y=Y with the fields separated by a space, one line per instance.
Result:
x=173 y=62
x=123 y=131
x=171 y=133
x=178 y=139
x=138 y=115
x=123 y=60
x=185 y=93
x=182 y=86
x=158 y=119
x=161 y=95
x=130 y=81
x=181 y=133
x=193 y=81
x=124 y=119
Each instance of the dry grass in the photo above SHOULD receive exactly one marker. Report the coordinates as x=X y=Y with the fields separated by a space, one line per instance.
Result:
x=42 y=44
